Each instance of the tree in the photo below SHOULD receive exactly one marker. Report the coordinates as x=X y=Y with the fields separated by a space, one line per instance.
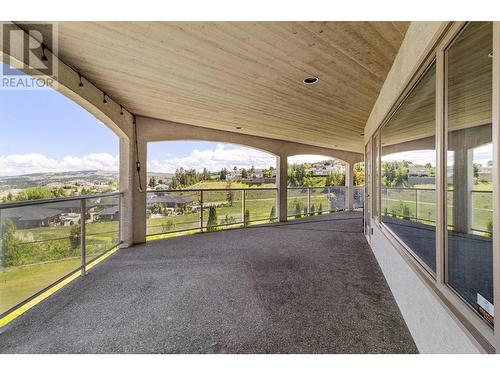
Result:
x=359 y=174
x=297 y=210
x=75 y=236
x=395 y=173
x=298 y=174
x=247 y=216
x=476 y=167
x=272 y=214
x=313 y=210
x=306 y=212
x=152 y=182
x=230 y=195
x=335 y=179
x=37 y=192
x=11 y=245
x=320 y=209
x=244 y=174
x=212 y=219
x=223 y=174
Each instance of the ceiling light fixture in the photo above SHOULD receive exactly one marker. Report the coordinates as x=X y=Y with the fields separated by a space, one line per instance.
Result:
x=104 y=98
x=80 y=79
x=238 y=127
x=490 y=55
x=311 y=80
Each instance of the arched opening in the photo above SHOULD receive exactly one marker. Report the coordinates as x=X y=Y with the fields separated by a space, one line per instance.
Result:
x=59 y=183
x=198 y=186
x=316 y=185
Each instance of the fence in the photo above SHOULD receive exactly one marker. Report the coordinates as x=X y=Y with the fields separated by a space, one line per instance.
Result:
x=420 y=205
x=44 y=242
x=175 y=211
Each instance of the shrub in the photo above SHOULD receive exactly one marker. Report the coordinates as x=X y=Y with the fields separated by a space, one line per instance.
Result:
x=168 y=226
x=212 y=219
x=297 y=210
x=75 y=236
x=272 y=214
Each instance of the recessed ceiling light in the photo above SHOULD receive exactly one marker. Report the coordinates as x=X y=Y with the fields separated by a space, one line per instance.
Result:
x=238 y=127
x=311 y=80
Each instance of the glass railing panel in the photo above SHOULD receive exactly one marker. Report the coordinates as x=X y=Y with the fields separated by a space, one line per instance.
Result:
x=102 y=225
x=297 y=205
x=39 y=244
x=222 y=209
x=426 y=206
x=261 y=206
x=358 y=197
x=399 y=203
x=337 y=197
x=172 y=211
x=482 y=212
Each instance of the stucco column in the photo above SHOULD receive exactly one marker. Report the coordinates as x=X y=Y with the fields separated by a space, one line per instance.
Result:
x=349 y=183
x=133 y=202
x=282 y=185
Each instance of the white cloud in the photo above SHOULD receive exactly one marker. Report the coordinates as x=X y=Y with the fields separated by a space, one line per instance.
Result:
x=222 y=156
x=417 y=156
x=12 y=165
x=299 y=159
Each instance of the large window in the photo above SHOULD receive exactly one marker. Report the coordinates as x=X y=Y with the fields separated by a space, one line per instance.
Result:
x=469 y=166
x=408 y=171
x=438 y=203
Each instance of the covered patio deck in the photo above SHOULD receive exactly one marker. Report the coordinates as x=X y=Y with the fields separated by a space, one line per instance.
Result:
x=307 y=286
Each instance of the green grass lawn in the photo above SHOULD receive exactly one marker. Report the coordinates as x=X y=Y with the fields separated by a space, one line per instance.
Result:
x=19 y=283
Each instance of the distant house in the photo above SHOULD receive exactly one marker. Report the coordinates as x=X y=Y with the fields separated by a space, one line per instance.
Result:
x=34 y=216
x=170 y=201
x=418 y=172
x=110 y=213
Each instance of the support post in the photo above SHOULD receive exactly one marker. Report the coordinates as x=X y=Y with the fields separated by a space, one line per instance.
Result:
x=349 y=183
x=309 y=201
x=243 y=207
x=83 y=244
x=133 y=204
x=282 y=185
x=201 y=211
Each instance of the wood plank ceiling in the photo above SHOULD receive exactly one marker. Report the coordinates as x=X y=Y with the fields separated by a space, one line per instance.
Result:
x=248 y=75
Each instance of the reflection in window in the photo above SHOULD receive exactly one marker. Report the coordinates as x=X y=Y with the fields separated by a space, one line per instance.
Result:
x=408 y=171
x=469 y=165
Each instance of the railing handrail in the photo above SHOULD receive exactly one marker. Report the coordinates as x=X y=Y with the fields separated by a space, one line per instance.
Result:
x=32 y=202
x=430 y=189
x=211 y=189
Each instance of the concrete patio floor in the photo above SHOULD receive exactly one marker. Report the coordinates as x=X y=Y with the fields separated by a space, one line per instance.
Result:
x=308 y=286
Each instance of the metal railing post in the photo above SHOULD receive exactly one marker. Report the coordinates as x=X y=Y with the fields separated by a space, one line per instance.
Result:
x=83 y=245
x=309 y=201
x=416 y=204
x=243 y=207
x=201 y=211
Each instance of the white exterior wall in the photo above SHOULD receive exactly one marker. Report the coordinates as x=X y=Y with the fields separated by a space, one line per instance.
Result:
x=430 y=324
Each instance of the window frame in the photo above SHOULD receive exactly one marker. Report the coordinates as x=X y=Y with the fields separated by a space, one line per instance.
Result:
x=485 y=337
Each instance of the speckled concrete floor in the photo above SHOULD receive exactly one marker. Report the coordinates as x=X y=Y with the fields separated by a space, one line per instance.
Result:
x=308 y=286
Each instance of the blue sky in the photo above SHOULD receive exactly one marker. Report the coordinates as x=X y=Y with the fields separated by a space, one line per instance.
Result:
x=43 y=131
